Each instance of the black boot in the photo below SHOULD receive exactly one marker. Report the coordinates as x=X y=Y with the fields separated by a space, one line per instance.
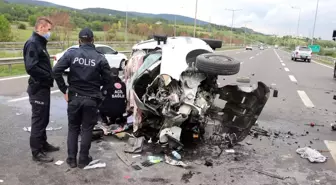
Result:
x=71 y=162
x=42 y=157
x=84 y=162
x=50 y=148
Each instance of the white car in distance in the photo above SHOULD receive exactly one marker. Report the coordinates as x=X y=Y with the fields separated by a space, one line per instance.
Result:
x=302 y=52
x=114 y=58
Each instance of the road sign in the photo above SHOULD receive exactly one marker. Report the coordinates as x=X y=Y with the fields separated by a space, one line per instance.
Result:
x=315 y=48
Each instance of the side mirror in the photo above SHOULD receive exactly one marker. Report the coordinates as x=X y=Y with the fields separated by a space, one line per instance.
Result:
x=116 y=52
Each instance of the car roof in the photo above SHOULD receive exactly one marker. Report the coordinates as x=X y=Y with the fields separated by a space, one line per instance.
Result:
x=181 y=40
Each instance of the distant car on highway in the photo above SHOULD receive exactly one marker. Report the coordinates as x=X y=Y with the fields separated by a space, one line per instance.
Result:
x=261 y=47
x=114 y=58
x=276 y=46
x=248 y=47
x=302 y=52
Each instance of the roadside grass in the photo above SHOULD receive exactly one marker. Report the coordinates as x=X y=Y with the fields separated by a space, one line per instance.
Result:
x=17 y=69
x=326 y=62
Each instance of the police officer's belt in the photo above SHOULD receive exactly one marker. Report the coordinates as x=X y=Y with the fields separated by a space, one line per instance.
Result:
x=88 y=97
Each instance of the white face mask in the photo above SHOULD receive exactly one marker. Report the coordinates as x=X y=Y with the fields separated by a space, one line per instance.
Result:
x=47 y=35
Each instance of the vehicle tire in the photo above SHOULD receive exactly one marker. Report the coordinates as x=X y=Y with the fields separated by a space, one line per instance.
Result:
x=305 y=60
x=294 y=59
x=215 y=64
x=308 y=60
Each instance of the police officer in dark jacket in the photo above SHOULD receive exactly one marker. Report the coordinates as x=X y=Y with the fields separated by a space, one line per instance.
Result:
x=38 y=66
x=114 y=103
x=88 y=69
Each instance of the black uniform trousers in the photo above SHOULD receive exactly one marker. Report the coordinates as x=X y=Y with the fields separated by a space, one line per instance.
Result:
x=82 y=114
x=39 y=98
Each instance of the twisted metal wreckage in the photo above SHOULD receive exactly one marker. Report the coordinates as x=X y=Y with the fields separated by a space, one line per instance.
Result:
x=172 y=90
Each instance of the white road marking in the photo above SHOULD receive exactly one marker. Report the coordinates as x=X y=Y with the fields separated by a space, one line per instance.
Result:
x=26 y=97
x=281 y=61
x=251 y=58
x=331 y=145
x=241 y=63
x=292 y=78
x=283 y=64
x=13 y=78
x=286 y=69
x=305 y=99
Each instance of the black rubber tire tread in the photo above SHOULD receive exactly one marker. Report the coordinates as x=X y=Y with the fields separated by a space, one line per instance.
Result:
x=215 y=64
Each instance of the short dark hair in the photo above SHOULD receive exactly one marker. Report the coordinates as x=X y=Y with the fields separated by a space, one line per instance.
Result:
x=86 y=40
x=42 y=20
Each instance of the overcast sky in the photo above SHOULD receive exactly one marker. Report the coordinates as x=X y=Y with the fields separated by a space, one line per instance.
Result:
x=267 y=16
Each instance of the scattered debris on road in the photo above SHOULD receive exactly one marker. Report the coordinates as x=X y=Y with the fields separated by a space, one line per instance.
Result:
x=333 y=126
x=311 y=154
x=208 y=163
x=18 y=114
x=28 y=129
x=187 y=176
x=137 y=145
x=173 y=162
x=313 y=125
x=59 y=163
x=270 y=174
x=95 y=164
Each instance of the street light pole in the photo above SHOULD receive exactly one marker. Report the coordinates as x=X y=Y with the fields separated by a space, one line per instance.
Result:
x=232 y=23
x=312 y=41
x=126 y=31
x=195 y=19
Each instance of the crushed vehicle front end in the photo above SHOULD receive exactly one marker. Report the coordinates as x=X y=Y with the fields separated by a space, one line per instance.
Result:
x=175 y=90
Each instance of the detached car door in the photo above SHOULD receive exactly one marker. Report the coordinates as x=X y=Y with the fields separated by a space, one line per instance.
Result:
x=110 y=55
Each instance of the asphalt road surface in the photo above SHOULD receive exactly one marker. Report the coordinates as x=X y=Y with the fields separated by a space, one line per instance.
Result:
x=305 y=96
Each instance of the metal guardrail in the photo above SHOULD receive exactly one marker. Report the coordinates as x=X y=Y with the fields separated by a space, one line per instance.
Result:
x=19 y=60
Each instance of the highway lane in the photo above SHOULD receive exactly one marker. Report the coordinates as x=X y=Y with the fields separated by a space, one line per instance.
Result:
x=285 y=113
x=316 y=80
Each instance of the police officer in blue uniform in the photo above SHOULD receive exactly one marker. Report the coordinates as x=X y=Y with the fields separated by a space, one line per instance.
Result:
x=38 y=66
x=88 y=71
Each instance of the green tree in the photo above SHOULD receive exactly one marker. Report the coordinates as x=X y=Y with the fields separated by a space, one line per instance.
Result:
x=5 y=29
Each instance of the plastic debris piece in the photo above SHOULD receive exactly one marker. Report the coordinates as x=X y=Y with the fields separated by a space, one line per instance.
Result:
x=176 y=155
x=136 y=167
x=311 y=154
x=136 y=156
x=154 y=159
x=28 y=129
x=18 y=114
x=53 y=129
x=59 y=163
x=95 y=164
x=174 y=162
x=230 y=151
